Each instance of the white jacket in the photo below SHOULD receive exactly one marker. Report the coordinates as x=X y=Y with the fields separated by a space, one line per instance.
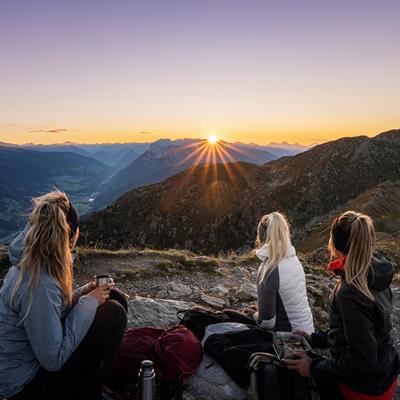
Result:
x=282 y=298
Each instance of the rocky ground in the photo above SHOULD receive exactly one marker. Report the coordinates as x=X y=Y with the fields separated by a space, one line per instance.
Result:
x=160 y=283
x=216 y=282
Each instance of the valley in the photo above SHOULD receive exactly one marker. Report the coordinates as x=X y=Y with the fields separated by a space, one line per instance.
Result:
x=94 y=175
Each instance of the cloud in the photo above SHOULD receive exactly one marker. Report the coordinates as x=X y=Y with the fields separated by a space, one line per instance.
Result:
x=52 y=130
x=144 y=133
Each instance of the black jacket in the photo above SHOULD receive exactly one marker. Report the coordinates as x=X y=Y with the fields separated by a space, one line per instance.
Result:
x=234 y=349
x=362 y=354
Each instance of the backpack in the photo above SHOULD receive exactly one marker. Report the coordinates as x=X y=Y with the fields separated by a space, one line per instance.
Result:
x=271 y=380
x=197 y=319
x=233 y=350
x=178 y=354
x=137 y=345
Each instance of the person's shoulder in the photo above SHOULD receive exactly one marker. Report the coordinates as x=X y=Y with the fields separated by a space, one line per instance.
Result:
x=291 y=263
x=46 y=281
x=349 y=294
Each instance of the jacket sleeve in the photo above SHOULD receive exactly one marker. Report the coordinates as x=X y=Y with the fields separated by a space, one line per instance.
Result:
x=319 y=340
x=361 y=353
x=53 y=341
x=79 y=292
x=266 y=299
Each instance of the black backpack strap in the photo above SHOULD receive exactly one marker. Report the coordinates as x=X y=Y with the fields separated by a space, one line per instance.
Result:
x=178 y=314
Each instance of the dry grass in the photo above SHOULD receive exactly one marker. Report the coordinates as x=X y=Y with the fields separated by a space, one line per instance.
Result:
x=233 y=259
x=165 y=261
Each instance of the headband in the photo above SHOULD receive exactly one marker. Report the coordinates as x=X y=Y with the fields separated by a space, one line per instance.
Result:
x=341 y=236
x=72 y=219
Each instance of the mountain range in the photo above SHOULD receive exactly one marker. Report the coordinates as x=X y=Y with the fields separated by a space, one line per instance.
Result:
x=95 y=174
x=212 y=208
x=166 y=158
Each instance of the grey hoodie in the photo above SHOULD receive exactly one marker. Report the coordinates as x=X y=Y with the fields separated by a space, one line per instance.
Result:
x=49 y=334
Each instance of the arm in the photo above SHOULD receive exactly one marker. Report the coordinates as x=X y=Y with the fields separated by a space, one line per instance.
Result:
x=266 y=299
x=361 y=352
x=52 y=341
x=81 y=291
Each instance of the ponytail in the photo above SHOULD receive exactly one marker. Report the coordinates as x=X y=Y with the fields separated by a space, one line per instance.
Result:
x=273 y=232
x=47 y=245
x=354 y=235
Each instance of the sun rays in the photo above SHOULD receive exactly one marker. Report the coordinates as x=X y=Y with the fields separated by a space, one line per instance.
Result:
x=212 y=154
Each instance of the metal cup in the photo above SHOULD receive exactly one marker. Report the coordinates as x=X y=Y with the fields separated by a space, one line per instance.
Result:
x=102 y=279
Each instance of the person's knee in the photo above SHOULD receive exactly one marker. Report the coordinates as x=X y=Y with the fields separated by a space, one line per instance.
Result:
x=114 y=312
x=117 y=295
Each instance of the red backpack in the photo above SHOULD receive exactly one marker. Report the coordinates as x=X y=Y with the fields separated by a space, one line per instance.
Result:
x=176 y=354
x=137 y=345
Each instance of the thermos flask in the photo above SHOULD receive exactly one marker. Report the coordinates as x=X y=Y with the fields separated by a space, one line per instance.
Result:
x=147 y=381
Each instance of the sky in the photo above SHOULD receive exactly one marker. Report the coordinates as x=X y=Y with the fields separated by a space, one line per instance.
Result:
x=254 y=71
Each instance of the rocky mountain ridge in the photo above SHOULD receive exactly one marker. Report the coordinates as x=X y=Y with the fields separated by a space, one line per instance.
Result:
x=215 y=208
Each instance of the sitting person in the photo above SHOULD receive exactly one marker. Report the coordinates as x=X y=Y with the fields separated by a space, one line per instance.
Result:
x=363 y=362
x=281 y=285
x=55 y=343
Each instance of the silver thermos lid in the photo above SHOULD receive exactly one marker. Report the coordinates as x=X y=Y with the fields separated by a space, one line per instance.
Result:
x=147 y=381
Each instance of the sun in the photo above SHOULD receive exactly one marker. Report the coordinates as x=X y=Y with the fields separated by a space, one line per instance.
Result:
x=212 y=139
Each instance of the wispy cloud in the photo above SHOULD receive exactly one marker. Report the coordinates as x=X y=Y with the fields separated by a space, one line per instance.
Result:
x=52 y=130
x=144 y=133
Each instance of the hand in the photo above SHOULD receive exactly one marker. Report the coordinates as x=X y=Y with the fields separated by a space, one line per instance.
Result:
x=88 y=287
x=300 y=365
x=304 y=334
x=102 y=293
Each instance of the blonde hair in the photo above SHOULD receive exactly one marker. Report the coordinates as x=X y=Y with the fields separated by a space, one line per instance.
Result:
x=273 y=231
x=47 y=245
x=357 y=230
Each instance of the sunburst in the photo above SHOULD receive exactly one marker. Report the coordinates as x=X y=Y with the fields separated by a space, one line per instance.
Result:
x=210 y=152
x=212 y=139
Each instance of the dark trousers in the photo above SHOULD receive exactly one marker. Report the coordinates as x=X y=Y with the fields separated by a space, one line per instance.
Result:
x=330 y=392
x=88 y=368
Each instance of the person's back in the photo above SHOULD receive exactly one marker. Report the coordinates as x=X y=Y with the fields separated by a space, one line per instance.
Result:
x=49 y=334
x=281 y=286
x=19 y=361
x=362 y=362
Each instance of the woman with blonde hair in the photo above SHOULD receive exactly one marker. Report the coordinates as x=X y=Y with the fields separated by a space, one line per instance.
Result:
x=54 y=343
x=363 y=362
x=281 y=286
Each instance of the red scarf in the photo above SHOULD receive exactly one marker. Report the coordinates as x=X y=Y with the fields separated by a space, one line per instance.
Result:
x=337 y=265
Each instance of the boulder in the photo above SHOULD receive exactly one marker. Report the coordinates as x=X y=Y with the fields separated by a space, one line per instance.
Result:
x=211 y=382
x=174 y=290
x=246 y=292
x=219 y=291
x=144 y=311
x=213 y=301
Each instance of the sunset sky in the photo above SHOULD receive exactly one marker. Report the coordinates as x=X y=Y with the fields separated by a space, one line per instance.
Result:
x=254 y=71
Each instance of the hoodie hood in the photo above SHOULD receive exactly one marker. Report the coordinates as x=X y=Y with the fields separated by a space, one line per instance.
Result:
x=381 y=273
x=262 y=253
x=16 y=248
